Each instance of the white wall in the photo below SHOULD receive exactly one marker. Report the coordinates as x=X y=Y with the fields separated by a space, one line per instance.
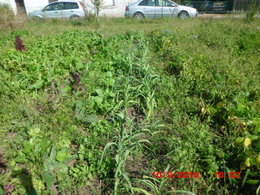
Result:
x=11 y=3
x=31 y=5
x=108 y=9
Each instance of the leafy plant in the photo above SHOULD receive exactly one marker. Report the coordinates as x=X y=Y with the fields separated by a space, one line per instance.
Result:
x=88 y=112
x=126 y=142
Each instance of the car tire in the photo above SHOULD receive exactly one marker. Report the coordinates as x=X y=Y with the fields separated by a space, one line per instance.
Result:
x=37 y=18
x=73 y=17
x=183 y=14
x=138 y=15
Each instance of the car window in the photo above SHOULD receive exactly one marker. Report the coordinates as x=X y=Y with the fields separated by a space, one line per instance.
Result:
x=53 y=7
x=147 y=3
x=165 y=3
x=70 y=5
x=160 y=3
x=170 y=3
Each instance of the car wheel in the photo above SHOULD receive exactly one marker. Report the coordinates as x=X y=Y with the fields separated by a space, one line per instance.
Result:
x=139 y=15
x=37 y=18
x=183 y=14
x=74 y=17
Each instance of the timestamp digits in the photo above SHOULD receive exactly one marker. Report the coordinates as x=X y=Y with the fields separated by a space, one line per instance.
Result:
x=227 y=174
x=170 y=174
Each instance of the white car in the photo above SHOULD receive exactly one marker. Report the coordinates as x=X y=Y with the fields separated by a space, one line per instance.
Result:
x=158 y=8
x=60 y=9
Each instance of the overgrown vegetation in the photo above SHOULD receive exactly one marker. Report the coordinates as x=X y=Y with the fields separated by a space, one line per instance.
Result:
x=6 y=14
x=84 y=113
x=251 y=11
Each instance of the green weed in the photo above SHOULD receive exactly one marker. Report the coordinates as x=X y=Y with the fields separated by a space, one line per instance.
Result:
x=98 y=112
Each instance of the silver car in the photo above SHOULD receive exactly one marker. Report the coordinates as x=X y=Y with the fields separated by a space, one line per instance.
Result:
x=60 y=9
x=158 y=8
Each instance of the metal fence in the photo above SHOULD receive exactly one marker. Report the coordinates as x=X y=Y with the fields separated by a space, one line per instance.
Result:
x=218 y=6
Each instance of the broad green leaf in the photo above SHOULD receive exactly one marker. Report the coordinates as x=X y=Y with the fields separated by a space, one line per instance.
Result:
x=61 y=156
x=89 y=118
x=100 y=92
x=27 y=148
x=53 y=154
x=49 y=179
x=62 y=166
x=38 y=84
x=253 y=181
x=247 y=142
x=98 y=99
x=34 y=131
